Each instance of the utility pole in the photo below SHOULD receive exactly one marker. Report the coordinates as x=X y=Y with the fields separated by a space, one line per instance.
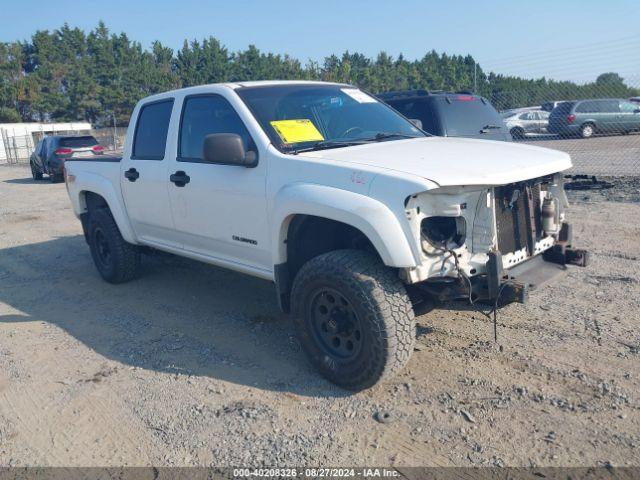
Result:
x=115 y=133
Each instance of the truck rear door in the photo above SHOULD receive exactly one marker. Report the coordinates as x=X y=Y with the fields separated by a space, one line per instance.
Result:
x=144 y=175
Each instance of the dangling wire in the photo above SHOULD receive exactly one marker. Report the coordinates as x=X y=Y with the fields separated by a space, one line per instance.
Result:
x=493 y=313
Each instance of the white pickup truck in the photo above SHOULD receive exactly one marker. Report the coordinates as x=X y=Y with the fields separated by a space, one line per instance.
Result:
x=354 y=212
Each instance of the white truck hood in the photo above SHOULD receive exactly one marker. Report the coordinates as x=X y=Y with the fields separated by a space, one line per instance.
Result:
x=454 y=161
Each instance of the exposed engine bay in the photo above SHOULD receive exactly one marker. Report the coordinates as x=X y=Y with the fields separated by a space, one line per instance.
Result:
x=472 y=238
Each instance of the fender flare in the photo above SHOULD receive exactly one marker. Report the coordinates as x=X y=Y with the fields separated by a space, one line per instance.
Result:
x=374 y=219
x=91 y=182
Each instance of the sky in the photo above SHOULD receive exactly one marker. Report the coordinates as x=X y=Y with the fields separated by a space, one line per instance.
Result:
x=562 y=39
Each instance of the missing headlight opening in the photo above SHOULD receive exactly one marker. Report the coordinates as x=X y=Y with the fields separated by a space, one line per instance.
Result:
x=444 y=232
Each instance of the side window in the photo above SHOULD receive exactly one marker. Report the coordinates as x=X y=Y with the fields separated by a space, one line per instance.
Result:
x=628 y=107
x=152 y=126
x=588 y=107
x=609 y=106
x=203 y=115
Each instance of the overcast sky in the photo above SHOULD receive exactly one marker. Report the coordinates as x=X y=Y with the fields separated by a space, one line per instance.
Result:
x=563 y=39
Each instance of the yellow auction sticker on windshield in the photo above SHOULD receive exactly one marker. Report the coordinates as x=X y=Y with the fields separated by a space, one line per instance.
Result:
x=297 y=131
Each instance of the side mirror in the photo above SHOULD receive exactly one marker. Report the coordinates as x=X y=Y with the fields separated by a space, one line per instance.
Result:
x=416 y=122
x=227 y=149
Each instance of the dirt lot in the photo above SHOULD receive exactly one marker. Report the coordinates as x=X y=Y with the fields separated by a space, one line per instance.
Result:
x=194 y=365
x=600 y=155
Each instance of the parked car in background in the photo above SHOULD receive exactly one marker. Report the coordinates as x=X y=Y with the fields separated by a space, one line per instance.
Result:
x=586 y=118
x=549 y=106
x=513 y=111
x=635 y=100
x=51 y=152
x=448 y=114
x=521 y=124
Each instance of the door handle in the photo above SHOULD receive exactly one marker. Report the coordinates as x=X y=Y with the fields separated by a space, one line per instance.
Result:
x=132 y=174
x=180 y=178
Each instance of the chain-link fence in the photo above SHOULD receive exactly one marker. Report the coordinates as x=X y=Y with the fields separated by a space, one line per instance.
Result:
x=17 y=149
x=599 y=128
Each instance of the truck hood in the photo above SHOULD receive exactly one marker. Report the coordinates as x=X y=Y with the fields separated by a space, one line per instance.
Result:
x=454 y=161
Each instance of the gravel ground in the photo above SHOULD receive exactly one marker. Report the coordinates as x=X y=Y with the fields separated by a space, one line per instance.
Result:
x=194 y=365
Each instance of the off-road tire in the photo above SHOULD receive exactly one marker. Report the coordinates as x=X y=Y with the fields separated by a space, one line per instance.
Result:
x=587 y=130
x=381 y=305
x=123 y=262
x=36 y=174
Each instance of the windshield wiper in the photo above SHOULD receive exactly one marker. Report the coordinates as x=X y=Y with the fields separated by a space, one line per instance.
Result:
x=386 y=135
x=326 y=144
x=490 y=127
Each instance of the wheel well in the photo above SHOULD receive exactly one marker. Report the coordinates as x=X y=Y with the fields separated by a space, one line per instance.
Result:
x=93 y=201
x=309 y=236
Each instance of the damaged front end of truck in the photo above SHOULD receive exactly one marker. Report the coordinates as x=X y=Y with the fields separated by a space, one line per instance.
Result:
x=490 y=244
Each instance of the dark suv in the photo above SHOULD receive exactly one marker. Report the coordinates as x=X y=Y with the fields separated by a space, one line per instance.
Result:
x=449 y=114
x=51 y=152
x=585 y=118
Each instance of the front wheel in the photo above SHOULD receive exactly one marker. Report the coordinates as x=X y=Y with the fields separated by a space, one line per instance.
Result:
x=353 y=318
x=116 y=260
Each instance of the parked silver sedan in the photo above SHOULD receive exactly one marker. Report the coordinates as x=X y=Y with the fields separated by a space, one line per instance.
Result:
x=522 y=124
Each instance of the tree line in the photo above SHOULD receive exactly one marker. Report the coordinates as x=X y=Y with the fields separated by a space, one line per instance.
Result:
x=70 y=75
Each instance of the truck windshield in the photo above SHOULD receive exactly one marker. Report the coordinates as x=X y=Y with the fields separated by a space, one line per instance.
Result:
x=312 y=117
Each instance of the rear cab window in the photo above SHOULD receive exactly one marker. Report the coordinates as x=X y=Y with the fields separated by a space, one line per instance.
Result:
x=152 y=127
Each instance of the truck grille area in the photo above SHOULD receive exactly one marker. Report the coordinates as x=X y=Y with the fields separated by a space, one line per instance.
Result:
x=518 y=217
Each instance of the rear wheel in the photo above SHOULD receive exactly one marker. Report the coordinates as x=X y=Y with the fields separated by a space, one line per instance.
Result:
x=116 y=260
x=36 y=174
x=353 y=318
x=587 y=130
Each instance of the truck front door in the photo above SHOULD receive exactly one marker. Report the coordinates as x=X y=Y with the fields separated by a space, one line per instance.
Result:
x=220 y=211
x=144 y=176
